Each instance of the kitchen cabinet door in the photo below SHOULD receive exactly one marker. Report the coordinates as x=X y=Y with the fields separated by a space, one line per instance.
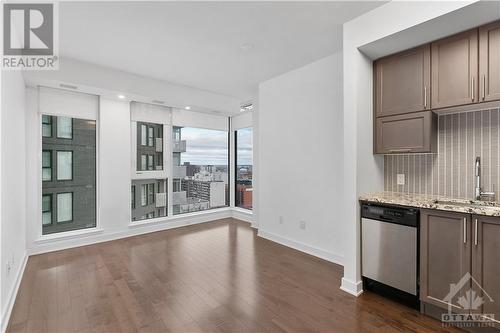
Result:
x=402 y=82
x=489 y=62
x=445 y=254
x=455 y=70
x=407 y=133
x=486 y=264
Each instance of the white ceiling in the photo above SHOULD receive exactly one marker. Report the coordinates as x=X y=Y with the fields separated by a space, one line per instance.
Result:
x=199 y=43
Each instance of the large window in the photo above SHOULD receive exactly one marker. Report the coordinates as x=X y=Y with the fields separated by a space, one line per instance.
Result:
x=68 y=174
x=200 y=169
x=244 y=164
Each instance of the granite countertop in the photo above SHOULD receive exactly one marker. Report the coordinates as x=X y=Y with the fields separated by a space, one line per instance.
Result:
x=434 y=202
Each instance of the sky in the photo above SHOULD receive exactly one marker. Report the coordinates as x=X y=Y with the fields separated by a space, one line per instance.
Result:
x=210 y=147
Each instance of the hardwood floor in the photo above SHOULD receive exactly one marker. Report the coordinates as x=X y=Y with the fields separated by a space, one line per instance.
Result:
x=212 y=277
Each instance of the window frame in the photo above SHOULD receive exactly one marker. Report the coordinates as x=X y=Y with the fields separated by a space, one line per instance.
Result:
x=50 y=124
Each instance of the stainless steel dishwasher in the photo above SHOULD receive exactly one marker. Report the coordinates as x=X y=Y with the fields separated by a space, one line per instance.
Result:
x=389 y=252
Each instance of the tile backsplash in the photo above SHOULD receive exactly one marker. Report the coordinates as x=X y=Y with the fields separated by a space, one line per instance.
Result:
x=450 y=172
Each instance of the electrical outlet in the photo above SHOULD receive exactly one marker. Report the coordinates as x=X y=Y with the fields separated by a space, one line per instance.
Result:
x=281 y=220
x=401 y=179
x=303 y=225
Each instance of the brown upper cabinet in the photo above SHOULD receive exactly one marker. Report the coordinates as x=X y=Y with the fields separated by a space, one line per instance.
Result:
x=489 y=62
x=455 y=70
x=402 y=82
x=406 y=133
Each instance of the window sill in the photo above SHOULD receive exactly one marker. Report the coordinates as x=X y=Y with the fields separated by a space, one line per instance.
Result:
x=178 y=217
x=243 y=210
x=68 y=235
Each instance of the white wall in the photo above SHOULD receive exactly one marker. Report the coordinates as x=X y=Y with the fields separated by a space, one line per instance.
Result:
x=13 y=187
x=299 y=133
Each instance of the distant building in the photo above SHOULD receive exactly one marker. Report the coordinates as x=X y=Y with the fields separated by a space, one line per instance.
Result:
x=211 y=191
x=149 y=146
x=149 y=198
x=244 y=196
x=68 y=174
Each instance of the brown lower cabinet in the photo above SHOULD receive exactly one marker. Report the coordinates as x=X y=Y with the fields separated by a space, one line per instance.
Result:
x=486 y=264
x=408 y=133
x=453 y=248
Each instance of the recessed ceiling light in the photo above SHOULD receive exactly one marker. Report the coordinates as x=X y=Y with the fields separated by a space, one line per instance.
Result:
x=246 y=46
x=187 y=107
x=121 y=96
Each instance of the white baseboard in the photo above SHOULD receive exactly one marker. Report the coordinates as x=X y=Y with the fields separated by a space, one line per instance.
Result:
x=243 y=215
x=314 y=251
x=11 y=299
x=351 y=287
x=132 y=230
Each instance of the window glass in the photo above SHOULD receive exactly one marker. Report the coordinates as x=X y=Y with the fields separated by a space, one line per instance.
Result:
x=200 y=166
x=47 y=209
x=143 y=135
x=150 y=136
x=150 y=162
x=64 y=165
x=144 y=195
x=46 y=165
x=64 y=127
x=244 y=165
x=64 y=207
x=46 y=126
x=144 y=162
x=69 y=175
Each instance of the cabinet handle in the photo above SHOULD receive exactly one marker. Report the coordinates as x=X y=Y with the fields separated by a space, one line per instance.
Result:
x=472 y=88
x=399 y=150
x=475 y=232
x=484 y=87
x=465 y=230
x=425 y=97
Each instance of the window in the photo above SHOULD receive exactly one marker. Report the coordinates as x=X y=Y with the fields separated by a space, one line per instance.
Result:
x=46 y=209
x=46 y=165
x=144 y=195
x=64 y=207
x=200 y=168
x=151 y=136
x=143 y=135
x=151 y=194
x=46 y=126
x=144 y=162
x=132 y=192
x=64 y=165
x=244 y=155
x=150 y=162
x=64 y=127
x=69 y=175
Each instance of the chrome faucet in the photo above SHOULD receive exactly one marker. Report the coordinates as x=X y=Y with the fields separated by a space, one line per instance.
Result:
x=479 y=194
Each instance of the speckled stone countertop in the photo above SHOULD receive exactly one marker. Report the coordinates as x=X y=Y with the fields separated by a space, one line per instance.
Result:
x=434 y=202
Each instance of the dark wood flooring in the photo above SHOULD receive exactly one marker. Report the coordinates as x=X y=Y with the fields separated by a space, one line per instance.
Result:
x=212 y=277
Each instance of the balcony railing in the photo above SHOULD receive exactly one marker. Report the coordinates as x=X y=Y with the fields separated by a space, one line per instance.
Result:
x=179 y=172
x=179 y=198
x=179 y=146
